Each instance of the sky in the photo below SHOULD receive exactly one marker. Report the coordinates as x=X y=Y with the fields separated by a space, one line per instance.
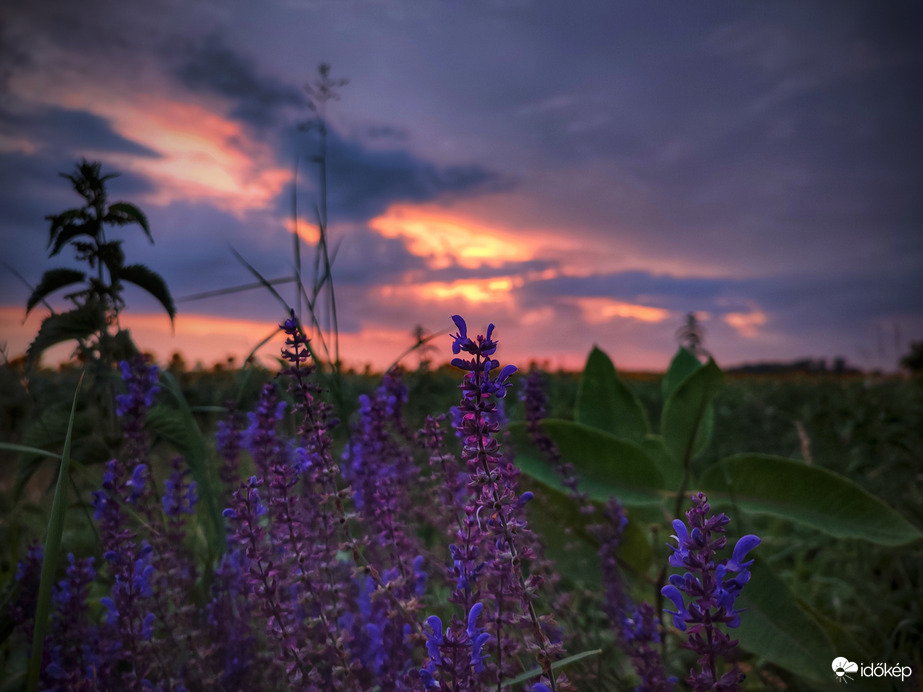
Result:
x=577 y=173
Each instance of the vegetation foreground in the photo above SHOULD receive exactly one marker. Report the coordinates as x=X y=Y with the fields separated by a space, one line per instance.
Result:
x=412 y=547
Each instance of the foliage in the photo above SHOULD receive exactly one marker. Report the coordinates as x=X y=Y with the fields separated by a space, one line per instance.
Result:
x=612 y=450
x=98 y=303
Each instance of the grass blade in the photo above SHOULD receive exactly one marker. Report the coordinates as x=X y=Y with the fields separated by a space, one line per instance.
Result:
x=52 y=548
x=26 y=449
x=535 y=672
x=188 y=439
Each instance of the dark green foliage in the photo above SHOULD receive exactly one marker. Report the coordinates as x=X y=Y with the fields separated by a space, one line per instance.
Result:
x=99 y=301
x=798 y=508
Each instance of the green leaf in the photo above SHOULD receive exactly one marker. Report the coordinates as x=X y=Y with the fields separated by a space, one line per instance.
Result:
x=151 y=282
x=69 y=231
x=815 y=497
x=670 y=467
x=605 y=403
x=776 y=628
x=25 y=449
x=53 y=280
x=606 y=466
x=179 y=426
x=682 y=365
x=52 y=549
x=79 y=323
x=124 y=213
x=687 y=422
x=557 y=518
x=61 y=221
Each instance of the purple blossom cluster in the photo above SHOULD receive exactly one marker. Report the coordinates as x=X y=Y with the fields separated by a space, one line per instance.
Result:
x=711 y=592
x=405 y=563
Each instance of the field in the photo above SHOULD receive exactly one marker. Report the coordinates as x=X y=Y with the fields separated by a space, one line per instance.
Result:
x=845 y=584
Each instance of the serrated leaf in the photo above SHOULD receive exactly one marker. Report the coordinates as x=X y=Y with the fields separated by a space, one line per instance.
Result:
x=605 y=403
x=123 y=213
x=151 y=282
x=686 y=422
x=808 y=495
x=62 y=220
x=53 y=280
x=69 y=231
x=606 y=466
x=776 y=628
x=79 y=323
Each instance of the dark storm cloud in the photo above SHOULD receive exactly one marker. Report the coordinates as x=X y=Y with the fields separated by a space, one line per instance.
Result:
x=365 y=177
x=365 y=258
x=64 y=129
x=639 y=287
x=212 y=66
x=815 y=301
x=364 y=181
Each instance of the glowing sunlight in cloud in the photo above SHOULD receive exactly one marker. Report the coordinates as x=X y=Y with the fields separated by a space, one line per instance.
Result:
x=307 y=229
x=204 y=154
x=445 y=239
x=601 y=310
x=746 y=323
x=471 y=290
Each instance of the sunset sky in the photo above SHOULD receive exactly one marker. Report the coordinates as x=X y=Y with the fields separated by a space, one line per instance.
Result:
x=578 y=173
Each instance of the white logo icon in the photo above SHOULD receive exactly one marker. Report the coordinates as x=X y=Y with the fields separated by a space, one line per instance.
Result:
x=841 y=666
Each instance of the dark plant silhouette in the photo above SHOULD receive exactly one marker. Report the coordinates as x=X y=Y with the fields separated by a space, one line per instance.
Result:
x=94 y=319
x=913 y=360
x=691 y=336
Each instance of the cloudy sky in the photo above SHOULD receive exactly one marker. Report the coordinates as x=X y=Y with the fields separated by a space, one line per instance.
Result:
x=575 y=172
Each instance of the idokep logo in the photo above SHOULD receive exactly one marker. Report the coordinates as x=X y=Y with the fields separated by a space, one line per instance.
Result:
x=842 y=668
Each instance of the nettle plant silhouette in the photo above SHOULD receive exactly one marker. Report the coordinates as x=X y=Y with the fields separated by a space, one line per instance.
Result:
x=93 y=322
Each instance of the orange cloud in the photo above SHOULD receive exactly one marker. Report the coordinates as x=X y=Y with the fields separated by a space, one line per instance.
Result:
x=601 y=310
x=746 y=323
x=490 y=290
x=204 y=154
x=446 y=239
x=307 y=229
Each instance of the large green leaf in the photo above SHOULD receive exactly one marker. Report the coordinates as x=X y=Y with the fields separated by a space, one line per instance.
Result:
x=151 y=282
x=808 y=495
x=566 y=535
x=123 y=213
x=79 y=323
x=606 y=466
x=687 y=421
x=53 y=280
x=682 y=365
x=776 y=628
x=670 y=467
x=605 y=403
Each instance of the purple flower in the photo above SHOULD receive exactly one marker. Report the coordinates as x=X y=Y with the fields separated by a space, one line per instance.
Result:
x=710 y=590
x=493 y=539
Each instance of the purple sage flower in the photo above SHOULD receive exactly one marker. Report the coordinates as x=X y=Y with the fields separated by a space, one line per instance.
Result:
x=704 y=596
